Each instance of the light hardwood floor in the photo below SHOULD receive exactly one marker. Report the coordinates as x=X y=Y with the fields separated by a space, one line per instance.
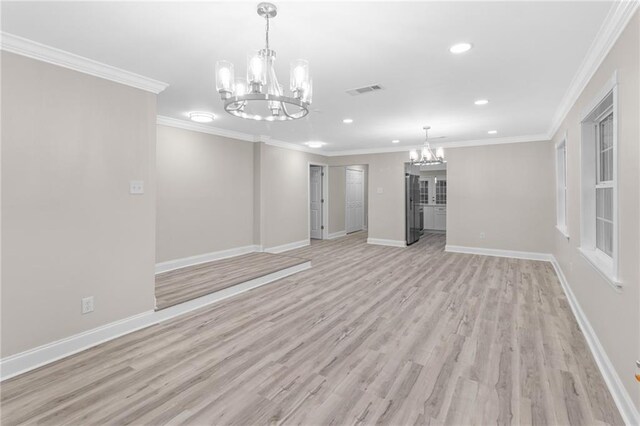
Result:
x=368 y=335
x=188 y=283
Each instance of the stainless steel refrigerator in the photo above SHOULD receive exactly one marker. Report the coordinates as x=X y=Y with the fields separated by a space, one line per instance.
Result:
x=413 y=209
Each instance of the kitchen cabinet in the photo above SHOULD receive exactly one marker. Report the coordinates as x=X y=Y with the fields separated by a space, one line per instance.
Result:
x=439 y=218
x=428 y=216
x=435 y=217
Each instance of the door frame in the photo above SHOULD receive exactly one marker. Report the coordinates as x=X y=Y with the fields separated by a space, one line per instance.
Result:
x=346 y=196
x=325 y=197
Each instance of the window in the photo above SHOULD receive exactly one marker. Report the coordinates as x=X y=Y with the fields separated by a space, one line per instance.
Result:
x=599 y=198
x=561 y=187
x=604 y=185
x=424 y=191
x=441 y=191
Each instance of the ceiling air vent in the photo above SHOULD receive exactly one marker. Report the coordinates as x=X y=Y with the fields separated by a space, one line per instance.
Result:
x=365 y=89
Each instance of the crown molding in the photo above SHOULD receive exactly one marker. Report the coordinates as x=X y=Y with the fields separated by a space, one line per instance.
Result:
x=454 y=144
x=492 y=141
x=203 y=128
x=614 y=24
x=41 y=52
x=368 y=151
x=288 y=145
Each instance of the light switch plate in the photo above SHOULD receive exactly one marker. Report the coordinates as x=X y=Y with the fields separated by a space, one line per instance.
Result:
x=136 y=187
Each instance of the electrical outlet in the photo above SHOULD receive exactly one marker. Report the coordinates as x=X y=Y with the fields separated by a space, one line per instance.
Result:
x=482 y=235
x=87 y=305
x=136 y=187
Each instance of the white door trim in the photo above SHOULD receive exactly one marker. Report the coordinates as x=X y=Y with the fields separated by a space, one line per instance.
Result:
x=325 y=197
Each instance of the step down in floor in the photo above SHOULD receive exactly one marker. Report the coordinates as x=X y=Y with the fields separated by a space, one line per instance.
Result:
x=189 y=283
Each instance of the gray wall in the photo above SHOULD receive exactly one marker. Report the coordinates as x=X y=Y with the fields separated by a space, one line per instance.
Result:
x=504 y=191
x=284 y=188
x=614 y=316
x=386 y=208
x=205 y=193
x=70 y=229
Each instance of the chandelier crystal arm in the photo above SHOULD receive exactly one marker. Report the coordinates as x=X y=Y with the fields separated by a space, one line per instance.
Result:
x=284 y=109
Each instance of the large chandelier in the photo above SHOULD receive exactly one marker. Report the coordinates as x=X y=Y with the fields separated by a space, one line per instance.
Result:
x=260 y=96
x=427 y=156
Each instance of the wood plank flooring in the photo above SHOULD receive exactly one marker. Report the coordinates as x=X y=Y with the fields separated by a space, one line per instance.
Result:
x=188 y=283
x=368 y=335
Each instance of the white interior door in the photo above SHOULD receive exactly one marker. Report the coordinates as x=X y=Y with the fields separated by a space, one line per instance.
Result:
x=315 y=199
x=355 y=200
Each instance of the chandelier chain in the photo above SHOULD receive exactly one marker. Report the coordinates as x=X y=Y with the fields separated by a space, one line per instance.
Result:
x=266 y=36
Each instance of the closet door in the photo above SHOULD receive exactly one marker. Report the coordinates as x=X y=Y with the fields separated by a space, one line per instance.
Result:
x=354 y=218
x=315 y=199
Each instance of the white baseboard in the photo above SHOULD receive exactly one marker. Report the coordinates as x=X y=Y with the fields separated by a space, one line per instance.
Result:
x=528 y=255
x=287 y=247
x=338 y=234
x=170 y=265
x=25 y=361
x=383 y=242
x=33 y=358
x=621 y=397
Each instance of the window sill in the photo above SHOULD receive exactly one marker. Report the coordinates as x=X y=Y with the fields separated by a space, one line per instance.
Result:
x=563 y=230
x=603 y=266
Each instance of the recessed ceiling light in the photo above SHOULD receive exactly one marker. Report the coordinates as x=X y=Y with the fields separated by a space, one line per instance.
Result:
x=347 y=121
x=395 y=141
x=460 y=48
x=201 y=117
x=492 y=132
x=481 y=102
x=315 y=144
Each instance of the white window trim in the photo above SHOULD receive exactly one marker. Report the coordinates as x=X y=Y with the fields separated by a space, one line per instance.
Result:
x=562 y=228
x=605 y=265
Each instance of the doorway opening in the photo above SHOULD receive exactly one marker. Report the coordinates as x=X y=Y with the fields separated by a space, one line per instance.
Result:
x=318 y=201
x=425 y=200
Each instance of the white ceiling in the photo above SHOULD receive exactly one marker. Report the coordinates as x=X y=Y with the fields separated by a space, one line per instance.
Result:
x=524 y=57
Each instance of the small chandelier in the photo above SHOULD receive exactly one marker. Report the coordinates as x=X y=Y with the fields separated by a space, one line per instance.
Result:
x=260 y=96
x=427 y=156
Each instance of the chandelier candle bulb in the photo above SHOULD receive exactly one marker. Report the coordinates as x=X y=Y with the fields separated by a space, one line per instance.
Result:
x=255 y=72
x=440 y=152
x=299 y=76
x=240 y=87
x=274 y=106
x=224 y=78
x=307 y=91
